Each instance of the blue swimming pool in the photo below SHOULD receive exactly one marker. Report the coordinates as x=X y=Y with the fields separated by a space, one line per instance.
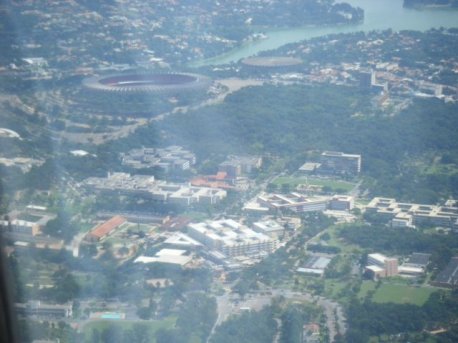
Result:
x=112 y=315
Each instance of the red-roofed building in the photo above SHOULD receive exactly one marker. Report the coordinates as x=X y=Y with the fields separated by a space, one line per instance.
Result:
x=105 y=229
x=219 y=180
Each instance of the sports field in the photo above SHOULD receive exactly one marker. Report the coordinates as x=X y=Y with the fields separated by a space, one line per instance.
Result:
x=331 y=183
x=402 y=294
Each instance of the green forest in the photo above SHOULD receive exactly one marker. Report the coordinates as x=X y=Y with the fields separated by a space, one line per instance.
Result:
x=410 y=156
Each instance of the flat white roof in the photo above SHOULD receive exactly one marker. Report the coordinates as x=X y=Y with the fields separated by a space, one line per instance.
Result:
x=378 y=257
x=170 y=252
x=179 y=260
x=410 y=270
x=310 y=271
x=375 y=269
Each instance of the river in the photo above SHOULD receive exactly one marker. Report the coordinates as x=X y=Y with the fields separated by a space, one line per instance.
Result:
x=378 y=15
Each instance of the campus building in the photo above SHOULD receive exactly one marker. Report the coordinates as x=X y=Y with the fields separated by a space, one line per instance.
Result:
x=333 y=162
x=27 y=223
x=409 y=214
x=380 y=266
x=231 y=238
x=235 y=166
x=341 y=203
x=295 y=202
x=172 y=158
x=101 y=231
x=269 y=228
x=148 y=187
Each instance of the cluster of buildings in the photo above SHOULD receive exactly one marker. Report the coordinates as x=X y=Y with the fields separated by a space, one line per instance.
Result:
x=409 y=215
x=334 y=163
x=169 y=159
x=149 y=188
x=298 y=203
x=225 y=242
x=232 y=173
x=381 y=266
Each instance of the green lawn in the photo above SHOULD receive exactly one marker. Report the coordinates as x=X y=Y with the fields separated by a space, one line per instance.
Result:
x=366 y=287
x=402 y=294
x=102 y=325
x=295 y=181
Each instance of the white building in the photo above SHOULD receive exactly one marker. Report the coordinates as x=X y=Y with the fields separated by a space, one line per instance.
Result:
x=269 y=228
x=409 y=214
x=341 y=203
x=231 y=238
x=146 y=186
x=382 y=266
x=295 y=202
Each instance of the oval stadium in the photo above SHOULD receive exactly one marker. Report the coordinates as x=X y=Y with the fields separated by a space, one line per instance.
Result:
x=147 y=83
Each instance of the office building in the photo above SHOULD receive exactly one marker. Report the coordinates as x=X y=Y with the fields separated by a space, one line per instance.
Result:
x=339 y=163
x=379 y=266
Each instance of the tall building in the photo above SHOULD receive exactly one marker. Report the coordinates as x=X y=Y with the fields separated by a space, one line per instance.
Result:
x=333 y=162
x=379 y=265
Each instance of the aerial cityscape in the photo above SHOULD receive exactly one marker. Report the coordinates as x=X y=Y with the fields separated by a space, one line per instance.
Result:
x=194 y=171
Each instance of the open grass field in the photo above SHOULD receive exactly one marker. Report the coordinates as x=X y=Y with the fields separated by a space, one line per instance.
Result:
x=102 y=325
x=331 y=183
x=366 y=287
x=402 y=294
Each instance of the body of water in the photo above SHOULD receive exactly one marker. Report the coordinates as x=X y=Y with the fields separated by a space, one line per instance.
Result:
x=378 y=15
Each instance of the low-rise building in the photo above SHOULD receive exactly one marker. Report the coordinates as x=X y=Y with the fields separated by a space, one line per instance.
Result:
x=26 y=223
x=44 y=310
x=167 y=256
x=409 y=214
x=294 y=201
x=102 y=230
x=449 y=276
x=169 y=159
x=148 y=187
x=315 y=265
